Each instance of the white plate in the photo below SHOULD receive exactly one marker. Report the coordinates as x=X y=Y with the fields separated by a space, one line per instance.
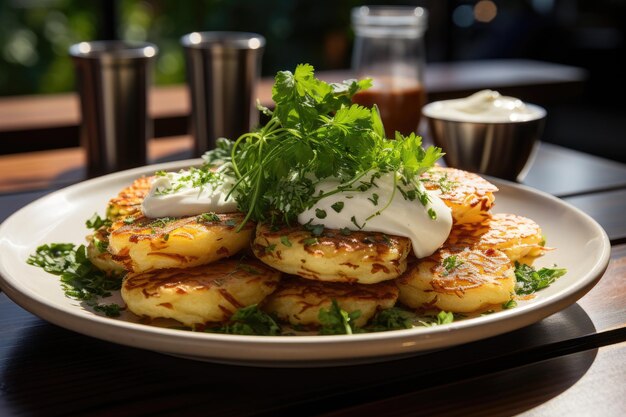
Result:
x=581 y=245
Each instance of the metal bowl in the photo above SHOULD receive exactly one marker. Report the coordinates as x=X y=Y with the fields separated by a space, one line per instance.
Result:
x=500 y=149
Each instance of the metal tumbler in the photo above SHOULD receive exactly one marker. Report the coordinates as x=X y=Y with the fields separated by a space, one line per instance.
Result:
x=112 y=80
x=223 y=69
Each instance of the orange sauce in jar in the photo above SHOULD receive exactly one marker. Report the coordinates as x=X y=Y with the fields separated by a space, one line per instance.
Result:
x=399 y=102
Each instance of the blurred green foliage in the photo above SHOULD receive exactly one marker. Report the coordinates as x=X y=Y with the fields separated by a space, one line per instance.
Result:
x=35 y=35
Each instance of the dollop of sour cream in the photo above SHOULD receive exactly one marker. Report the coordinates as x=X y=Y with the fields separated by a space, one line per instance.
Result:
x=178 y=194
x=384 y=208
x=486 y=106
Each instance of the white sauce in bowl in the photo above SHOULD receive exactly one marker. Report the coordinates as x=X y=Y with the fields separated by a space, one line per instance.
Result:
x=486 y=106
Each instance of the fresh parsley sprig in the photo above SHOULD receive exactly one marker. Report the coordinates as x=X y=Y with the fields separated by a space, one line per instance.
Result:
x=315 y=132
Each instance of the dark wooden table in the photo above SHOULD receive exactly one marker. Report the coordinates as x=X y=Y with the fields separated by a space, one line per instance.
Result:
x=572 y=363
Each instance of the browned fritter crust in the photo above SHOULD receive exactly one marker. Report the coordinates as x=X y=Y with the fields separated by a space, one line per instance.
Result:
x=516 y=236
x=476 y=279
x=147 y=244
x=357 y=257
x=469 y=196
x=128 y=201
x=298 y=301
x=196 y=295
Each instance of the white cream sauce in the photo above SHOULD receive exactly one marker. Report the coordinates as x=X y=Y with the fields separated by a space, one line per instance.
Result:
x=173 y=194
x=485 y=106
x=402 y=217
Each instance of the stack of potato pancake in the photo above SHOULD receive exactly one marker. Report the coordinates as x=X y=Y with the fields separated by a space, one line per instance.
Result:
x=201 y=269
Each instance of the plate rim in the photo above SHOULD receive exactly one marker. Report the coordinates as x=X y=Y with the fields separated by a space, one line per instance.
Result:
x=272 y=349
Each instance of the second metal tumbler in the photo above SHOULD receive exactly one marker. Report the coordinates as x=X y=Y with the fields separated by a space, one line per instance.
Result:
x=223 y=69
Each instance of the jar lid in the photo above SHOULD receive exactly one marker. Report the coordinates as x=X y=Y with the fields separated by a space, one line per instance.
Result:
x=389 y=20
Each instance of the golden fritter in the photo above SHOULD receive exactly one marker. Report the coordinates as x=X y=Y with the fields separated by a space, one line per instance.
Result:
x=99 y=255
x=202 y=294
x=128 y=201
x=469 y=196
x=463 y=281
x=298 y=301
x=334 y=256
x=517 y=236
x=144 y=244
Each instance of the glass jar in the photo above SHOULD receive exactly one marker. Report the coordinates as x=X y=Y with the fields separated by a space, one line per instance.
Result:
x=389 y=49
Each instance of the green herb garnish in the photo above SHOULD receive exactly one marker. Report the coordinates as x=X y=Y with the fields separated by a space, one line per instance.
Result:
x=80 y=279
x=314 y=133
x=208 y=218
x=96 y=222
x=450 y=263
x=530 y=280
x=338 y=206
x=249 y=321
x=390 y=319
x=337 y=321
x=310 y=241
x=443 y=317
x=320 y=214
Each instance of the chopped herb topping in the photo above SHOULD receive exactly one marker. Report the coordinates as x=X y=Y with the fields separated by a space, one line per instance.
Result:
x=191 y=178
x=336 y=320
x=249 y=321
x=79 y=277
x=320 y=214
x=338 y=206
x=446 y=185
x=450 y=263
x=315 y=229
x=443 y=317
x=96 y=222
x=285 y=241
x=100 y=245
x=353 y=220
x=161 y=222
x=432 y=214
x=310 y=241
x=390 y=319
x=208 y=218
x=374 y=199
x=530 y=280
